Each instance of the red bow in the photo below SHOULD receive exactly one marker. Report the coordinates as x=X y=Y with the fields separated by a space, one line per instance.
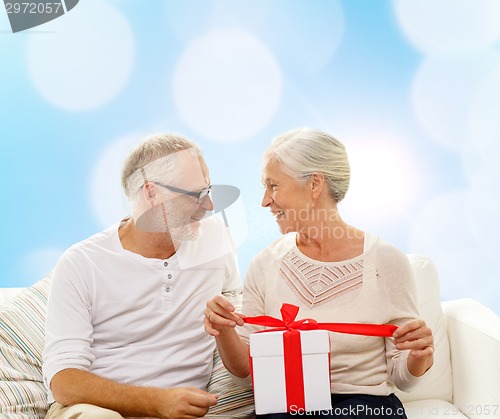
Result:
x=289 y=312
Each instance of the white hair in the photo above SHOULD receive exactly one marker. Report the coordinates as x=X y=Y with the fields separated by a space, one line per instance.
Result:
x=153 y=160
x=305 y=151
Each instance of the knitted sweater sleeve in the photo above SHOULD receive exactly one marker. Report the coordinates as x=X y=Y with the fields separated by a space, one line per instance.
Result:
x=401 y=296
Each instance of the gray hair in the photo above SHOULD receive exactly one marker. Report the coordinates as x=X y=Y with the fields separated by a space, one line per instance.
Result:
x=155 y=154
x=304 y=151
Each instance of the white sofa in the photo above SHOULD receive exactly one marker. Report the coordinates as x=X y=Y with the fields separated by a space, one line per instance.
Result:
x=464 y=382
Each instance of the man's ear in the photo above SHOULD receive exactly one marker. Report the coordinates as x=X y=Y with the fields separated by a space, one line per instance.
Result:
x=149 y=192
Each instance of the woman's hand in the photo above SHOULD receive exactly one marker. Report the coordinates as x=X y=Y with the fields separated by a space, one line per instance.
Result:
x=220 y=321
x=416 y=336
x=220 y=315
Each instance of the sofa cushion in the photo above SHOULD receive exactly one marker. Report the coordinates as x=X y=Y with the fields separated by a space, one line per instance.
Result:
x=437 y=382
x=22 y=327
x=234 y=400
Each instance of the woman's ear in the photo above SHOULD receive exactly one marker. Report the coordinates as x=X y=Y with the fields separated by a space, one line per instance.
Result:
x=317 y=182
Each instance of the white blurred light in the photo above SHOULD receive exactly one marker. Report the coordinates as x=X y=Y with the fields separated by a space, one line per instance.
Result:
x=383 y=179
x=443 y=90
x=106 y=195
x=484 y=120
x=449 y=25
x=86 y=61
x=227 y=85
x=443 y=232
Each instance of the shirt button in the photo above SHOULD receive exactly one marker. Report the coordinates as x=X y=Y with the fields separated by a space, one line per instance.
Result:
x=167 y=289
x=169 y=276
x=165 y=264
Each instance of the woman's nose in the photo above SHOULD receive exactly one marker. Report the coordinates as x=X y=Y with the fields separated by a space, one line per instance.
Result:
x=266 y=200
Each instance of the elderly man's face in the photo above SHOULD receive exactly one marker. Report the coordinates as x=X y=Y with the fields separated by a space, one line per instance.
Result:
x=183 y=211
x=177 y=207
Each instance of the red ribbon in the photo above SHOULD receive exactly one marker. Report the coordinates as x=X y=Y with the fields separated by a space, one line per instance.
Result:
x=292 y=346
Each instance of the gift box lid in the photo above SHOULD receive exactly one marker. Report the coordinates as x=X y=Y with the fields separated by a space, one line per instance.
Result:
x=271 y=343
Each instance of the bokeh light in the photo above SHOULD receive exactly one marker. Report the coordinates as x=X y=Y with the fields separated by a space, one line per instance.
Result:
x=384 y=178
x=83 y=63
x=227 y=85
x=444 y=26
x=443 y=90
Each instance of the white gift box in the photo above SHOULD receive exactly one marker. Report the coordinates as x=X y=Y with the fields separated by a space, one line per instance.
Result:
x=268 y=372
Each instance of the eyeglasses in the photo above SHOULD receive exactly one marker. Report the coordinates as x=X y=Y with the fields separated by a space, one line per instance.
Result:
x=200 y=196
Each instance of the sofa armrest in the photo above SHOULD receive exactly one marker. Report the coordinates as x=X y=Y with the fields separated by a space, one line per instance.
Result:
x=474 y=335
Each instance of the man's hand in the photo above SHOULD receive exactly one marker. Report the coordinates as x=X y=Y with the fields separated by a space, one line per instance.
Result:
x=73 y=386
x=185 y=403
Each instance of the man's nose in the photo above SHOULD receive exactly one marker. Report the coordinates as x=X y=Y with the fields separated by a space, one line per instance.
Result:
x=207 y=203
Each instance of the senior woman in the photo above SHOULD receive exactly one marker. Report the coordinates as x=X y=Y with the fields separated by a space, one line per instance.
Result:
x=335 y=273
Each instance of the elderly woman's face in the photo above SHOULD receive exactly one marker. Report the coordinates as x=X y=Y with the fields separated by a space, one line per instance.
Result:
x=288 y=200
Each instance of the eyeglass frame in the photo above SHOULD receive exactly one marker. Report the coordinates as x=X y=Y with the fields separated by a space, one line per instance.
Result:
x=200 y=196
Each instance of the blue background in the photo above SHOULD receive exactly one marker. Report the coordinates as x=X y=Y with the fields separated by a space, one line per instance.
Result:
x=411 y=87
